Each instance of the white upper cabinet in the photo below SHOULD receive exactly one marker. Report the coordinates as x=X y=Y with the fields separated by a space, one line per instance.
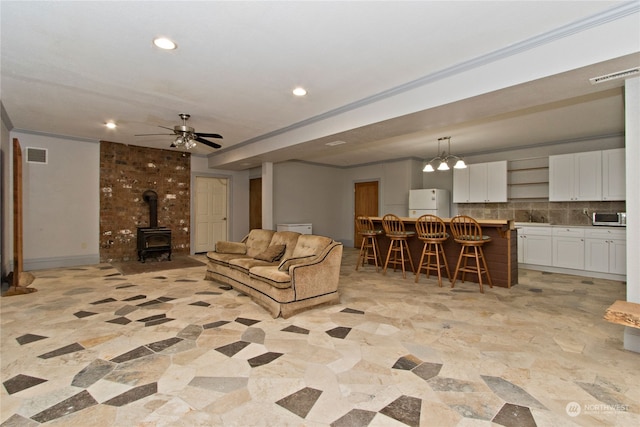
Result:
x=613 y=174
x=497 y=181
x=478 y=176
x=461 y=185
x=575 y=177
x=480 y=183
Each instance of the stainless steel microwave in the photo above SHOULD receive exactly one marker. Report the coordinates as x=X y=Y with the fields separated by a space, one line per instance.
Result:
x=612 y=219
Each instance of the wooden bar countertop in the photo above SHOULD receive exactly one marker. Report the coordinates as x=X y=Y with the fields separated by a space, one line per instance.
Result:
x=501 y=253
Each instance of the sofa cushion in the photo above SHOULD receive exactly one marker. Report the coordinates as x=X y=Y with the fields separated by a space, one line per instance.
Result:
x=258 y=241
x=309 y=244
x=271 y=275
x=224 y=247
x=287 y=238
x=272 y=253
x=223 y=259
x=245 y=264
x=288 y=262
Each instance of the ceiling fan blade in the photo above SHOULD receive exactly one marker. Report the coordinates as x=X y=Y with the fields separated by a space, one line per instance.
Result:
x=209 y=143
x=209 y=135
x=152 y=134
x=164 y=127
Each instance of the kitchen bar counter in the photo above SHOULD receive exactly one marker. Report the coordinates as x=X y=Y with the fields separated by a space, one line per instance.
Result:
x=501 y=253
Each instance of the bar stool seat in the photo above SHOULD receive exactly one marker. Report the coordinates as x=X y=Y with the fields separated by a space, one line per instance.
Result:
x=468 y=233
x=398 y=236
x=432 y=230
x=369 y=248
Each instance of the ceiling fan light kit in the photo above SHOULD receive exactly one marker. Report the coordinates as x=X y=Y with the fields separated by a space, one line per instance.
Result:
x=186 y=136
x=443 y=161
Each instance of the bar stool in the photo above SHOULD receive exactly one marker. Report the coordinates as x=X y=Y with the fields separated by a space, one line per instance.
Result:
x=398 y=236
x=433 y=232
x=369 y=247
x=468 y=233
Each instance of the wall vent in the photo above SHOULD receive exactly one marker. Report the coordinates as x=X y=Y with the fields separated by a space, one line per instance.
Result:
x=36 y=155
x=617 y=75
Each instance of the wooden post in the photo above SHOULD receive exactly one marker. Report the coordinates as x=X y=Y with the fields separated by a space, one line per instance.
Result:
x=20 y=280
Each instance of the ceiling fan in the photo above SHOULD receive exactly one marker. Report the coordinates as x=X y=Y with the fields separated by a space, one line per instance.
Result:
x=187 y=136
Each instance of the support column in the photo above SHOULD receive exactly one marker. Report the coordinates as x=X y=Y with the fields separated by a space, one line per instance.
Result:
x=267 y=196
x=632 y=155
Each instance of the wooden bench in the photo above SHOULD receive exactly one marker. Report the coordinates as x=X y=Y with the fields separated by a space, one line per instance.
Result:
x=624 y=313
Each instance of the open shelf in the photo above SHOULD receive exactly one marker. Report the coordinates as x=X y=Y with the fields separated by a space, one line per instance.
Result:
x=528 y=178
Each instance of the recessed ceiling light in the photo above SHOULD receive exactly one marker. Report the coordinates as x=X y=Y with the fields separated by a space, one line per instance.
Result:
x=334 y=143
x=164 y=43
x=299 y=91
x=111 y=125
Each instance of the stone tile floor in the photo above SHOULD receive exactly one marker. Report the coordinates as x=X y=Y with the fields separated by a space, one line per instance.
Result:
x=94 y=347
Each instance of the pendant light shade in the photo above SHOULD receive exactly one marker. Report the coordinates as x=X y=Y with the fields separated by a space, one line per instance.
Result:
x=444 y=161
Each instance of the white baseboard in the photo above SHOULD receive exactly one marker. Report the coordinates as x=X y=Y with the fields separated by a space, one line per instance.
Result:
x=57 y=262
x=583 y=273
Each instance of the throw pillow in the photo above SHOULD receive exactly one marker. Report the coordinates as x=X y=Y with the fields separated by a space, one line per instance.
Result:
x=286 y=263
x=273 y=253
x=231 y=248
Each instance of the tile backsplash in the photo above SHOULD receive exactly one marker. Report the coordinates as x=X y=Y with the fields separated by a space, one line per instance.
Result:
x=556 y=213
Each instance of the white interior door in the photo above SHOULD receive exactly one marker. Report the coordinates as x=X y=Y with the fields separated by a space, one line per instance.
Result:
x=210 y=212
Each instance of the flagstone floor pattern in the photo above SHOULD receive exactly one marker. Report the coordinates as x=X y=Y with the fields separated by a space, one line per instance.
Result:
x=94 y=347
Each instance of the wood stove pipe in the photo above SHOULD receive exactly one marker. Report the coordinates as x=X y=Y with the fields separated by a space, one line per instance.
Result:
x=151 y=197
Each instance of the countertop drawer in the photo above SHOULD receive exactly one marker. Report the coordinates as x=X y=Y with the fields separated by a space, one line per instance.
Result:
x=601 y=233
x=535 y=231
x=568 y=231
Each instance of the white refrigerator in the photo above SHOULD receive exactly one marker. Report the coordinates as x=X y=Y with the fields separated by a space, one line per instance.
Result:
x=432 y=201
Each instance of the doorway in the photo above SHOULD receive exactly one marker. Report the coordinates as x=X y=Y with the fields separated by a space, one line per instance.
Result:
x=210 y=212
x=365 y=204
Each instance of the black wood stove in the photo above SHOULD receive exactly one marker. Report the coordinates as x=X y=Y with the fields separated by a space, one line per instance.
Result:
x=153 y=238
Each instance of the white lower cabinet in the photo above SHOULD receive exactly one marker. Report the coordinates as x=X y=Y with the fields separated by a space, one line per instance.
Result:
x=534 y=245
x=568 y=247
x=606 y=251
x=587 y=249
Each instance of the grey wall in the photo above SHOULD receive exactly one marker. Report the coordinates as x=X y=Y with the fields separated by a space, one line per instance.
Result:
x=60 y=202
x=396 y=178
x=306 y=193
x=323 y=196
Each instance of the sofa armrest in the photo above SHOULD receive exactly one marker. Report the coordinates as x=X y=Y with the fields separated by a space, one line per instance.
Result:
x=319 y=276
x=224 y=247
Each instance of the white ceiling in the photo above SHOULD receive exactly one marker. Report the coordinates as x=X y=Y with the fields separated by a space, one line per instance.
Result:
x=68 y=67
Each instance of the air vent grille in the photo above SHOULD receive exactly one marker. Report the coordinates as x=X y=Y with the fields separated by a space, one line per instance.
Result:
x=36 y=155
x=617 y=75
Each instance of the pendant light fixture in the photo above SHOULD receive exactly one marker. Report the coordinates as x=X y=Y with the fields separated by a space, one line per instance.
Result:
x=444 y=160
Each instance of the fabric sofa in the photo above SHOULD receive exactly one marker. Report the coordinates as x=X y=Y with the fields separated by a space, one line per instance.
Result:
x=283 y=271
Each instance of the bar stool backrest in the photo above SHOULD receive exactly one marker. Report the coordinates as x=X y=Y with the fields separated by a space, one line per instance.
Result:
x=431 y=227
x=364 y=225
x=392 y=225
x=465 y=228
